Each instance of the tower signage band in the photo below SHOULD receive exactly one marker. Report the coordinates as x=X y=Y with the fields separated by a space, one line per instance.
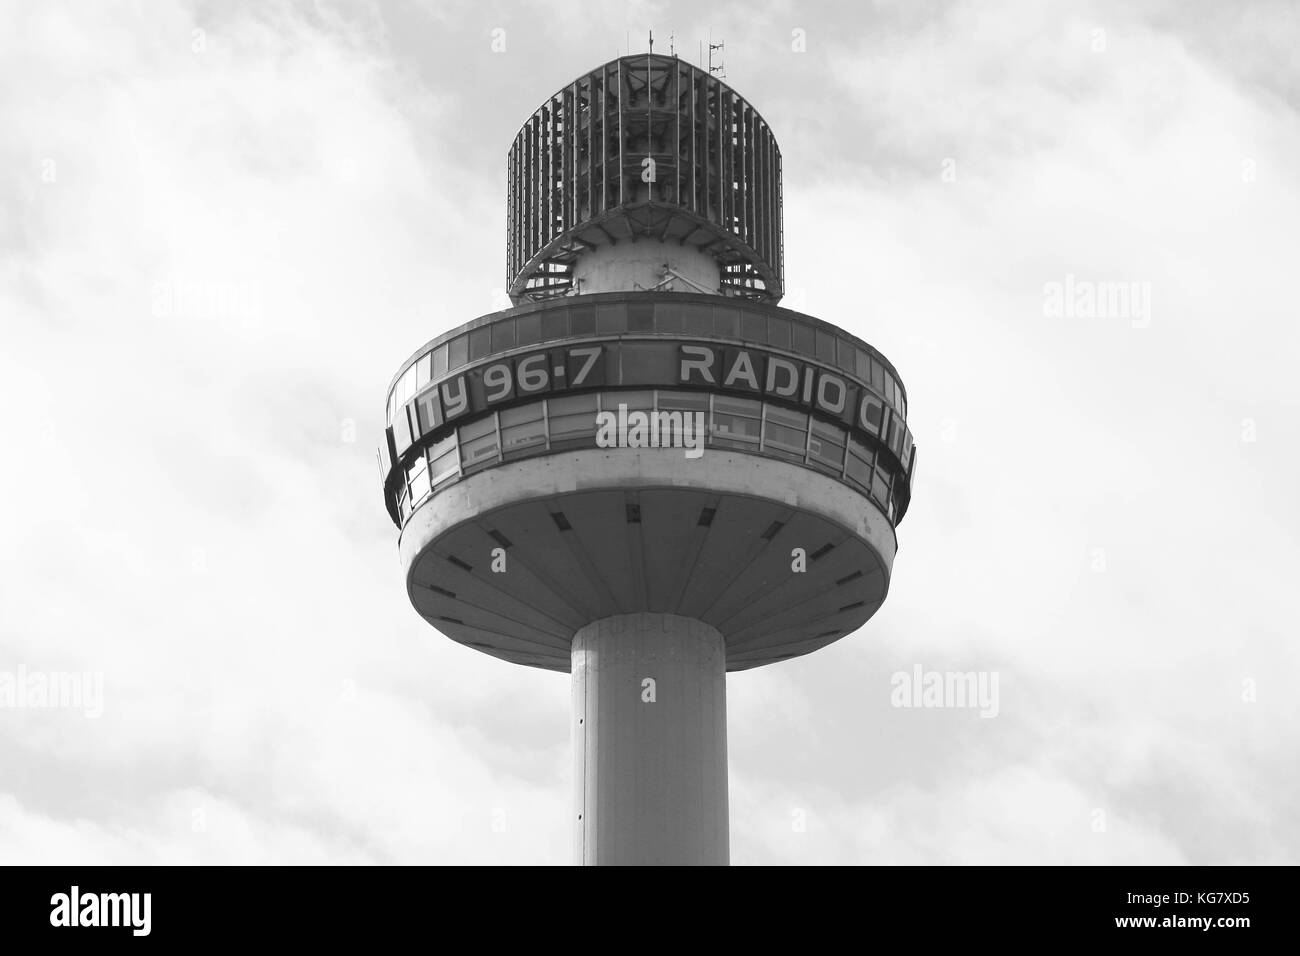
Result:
x=664 y=364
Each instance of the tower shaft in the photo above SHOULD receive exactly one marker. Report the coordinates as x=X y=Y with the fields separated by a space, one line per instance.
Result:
x=650 y=741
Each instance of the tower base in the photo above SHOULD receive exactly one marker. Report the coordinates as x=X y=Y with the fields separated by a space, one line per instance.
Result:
x=650 y=742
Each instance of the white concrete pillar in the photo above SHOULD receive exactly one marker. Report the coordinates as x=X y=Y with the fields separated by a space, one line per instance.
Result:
x=650 y=741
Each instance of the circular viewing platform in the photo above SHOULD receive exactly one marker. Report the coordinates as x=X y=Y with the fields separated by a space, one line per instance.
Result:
x=531 y=380
x=634 y=452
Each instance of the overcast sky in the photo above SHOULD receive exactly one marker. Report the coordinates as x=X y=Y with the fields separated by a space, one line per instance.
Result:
x=224 y=226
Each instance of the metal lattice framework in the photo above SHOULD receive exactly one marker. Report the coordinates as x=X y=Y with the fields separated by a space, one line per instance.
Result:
x=578 y=172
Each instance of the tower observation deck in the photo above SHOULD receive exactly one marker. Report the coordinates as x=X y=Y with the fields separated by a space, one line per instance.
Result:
x=646 y=473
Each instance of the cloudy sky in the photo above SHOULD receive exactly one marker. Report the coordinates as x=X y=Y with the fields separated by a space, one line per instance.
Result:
x=223 y=226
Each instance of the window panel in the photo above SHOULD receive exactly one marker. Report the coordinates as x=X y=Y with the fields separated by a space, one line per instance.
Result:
x=828 y=432
x=784 y=416
x=737 y=406
x=778 y=332
x=479 y=451
x=736 y=420
x=803 y=339
x=528 y=329
x=697 y=319
x=610 y=318
x=896 y=494
x=572 y=404
x=568 y=427
x=420 y=487
x=784 y=438
x=458 y=353
x=640 y=317
x=735 y=428
x=582 y=320
x=726 y=322
x=442 y=446
x=880 y=487
x=572 y=416
x=844 y=357
x=478 y=428
x=522 y=428
x=444 y=466
x=862 y=365
x=480 y=344
x=416 y=467
x=859 y=465
x=439 y=362
x=693 y=401
x=522 y=437
x=825 y=454
x=753 y=327
x=521 y=414
x=827 y=445
x=633 y=399
x=503 y=335
x=691 y=409
x=668 y=317
x=555 y=324
x=825 y=347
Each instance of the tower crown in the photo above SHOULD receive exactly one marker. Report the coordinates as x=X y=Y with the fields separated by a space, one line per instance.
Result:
x=645 y=174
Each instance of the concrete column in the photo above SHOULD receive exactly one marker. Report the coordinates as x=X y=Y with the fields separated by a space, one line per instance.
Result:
x=650 y=741
x=639 y=266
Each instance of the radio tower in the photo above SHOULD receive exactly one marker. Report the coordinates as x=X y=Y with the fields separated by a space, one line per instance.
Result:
x=645 y=473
